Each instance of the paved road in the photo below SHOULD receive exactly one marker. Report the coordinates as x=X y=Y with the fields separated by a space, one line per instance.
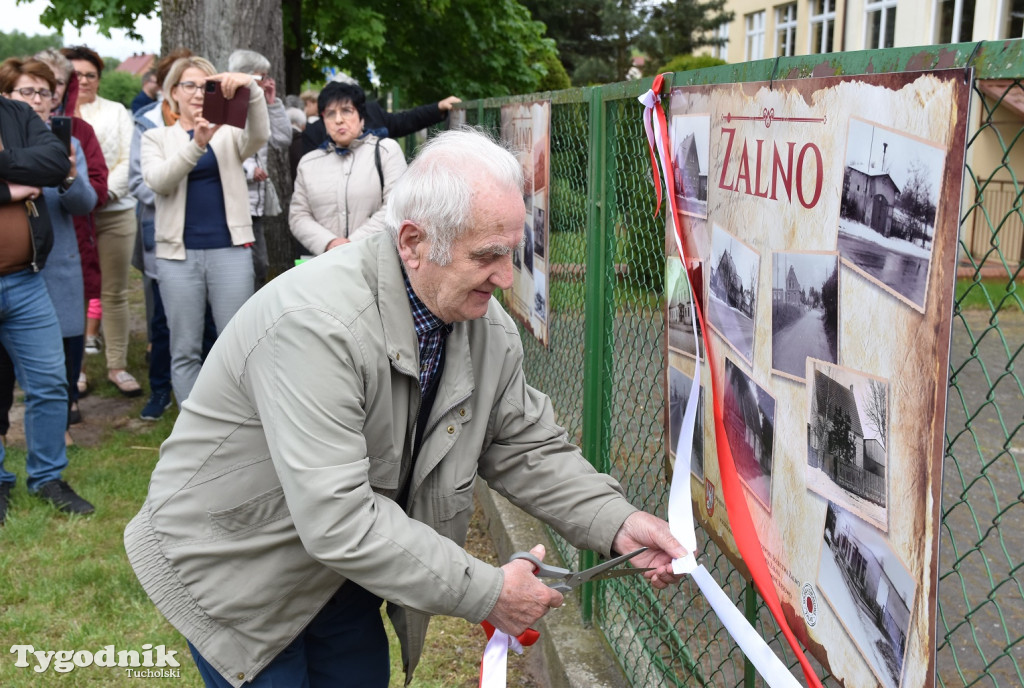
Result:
x=801 y=339
x=735 y=326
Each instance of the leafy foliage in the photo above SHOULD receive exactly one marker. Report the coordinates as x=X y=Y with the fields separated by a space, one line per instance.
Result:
x=678 y=27
x=119 y=87
x=17 y=44
x=685 y=63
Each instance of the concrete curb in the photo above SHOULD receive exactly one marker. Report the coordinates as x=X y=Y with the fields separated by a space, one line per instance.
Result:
x=575 y=656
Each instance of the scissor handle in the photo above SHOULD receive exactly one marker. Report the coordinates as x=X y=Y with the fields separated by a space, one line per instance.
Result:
x=542 y=570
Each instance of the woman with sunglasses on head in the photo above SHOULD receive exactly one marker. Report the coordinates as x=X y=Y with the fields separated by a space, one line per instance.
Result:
x=32 y=82
x=203 y=227
x=115 y=221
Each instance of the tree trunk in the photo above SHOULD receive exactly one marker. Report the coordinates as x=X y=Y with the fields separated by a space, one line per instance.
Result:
x=215 y=29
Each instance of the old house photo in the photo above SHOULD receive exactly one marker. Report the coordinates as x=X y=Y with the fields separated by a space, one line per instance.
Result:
x=870 y=590
x=847 y=434
x=690 y=135
x=805 y=310
x=680 y=314
x=732 y=287
x=890 y=196
x=679 y=386
x=750 y=427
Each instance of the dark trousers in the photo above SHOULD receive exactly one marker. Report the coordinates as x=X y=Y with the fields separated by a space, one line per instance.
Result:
x=344 y=645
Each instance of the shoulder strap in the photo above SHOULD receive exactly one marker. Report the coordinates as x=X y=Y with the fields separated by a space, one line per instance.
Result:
x=380 y=170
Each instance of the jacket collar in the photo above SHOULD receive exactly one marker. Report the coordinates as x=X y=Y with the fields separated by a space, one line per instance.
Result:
x=456 y=382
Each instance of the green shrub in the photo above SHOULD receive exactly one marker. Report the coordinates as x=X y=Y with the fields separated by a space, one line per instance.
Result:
x=685 y=63
x=119 y=87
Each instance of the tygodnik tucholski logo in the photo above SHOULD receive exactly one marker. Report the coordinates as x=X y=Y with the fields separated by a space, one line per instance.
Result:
x=146 y=662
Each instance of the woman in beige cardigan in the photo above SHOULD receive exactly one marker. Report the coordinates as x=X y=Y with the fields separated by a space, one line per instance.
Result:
x=203 y=226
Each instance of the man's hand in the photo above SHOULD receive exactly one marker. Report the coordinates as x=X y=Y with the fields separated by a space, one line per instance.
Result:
x=524 y=598
x=20 y=192
x=446 y=104
x=335 y=243
x=644 y=530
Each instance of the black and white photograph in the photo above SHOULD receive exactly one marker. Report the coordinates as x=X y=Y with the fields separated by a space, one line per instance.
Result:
x=528 y=246
x=891 y=185
x=540 y=295
x=750 y=427
x=681 y=315
x=679 y=388
x=690 y=135
x=847 y=434
x=540 y=231
x=732 y=287
x=805 y=311
x=870 y=590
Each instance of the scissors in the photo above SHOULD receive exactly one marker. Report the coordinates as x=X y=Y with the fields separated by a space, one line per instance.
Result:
x=566 y=580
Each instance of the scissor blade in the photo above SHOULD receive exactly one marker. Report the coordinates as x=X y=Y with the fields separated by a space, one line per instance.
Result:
x=595 y=572
x=617 y=573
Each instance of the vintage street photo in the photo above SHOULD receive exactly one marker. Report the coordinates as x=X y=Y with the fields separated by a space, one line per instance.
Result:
x=750 y=427
x=890 y=195
x=805 y=310
x=679 y=386
x=732 y=286
x=847 y=436
x=869 y=589
x=690 y=135
x=681 y=316
x=528 y=246
x=540 y=231
x=540 y=295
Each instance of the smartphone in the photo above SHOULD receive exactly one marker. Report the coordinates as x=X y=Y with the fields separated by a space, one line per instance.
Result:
x=219 y=110
x=61 y=127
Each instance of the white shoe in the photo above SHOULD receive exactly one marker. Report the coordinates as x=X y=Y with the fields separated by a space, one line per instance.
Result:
x=92 y=344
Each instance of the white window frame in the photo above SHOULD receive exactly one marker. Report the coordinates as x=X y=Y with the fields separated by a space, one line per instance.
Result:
x=785 y=29
x=958 y=16
x=721 y=51
x=880 y=6
x=1009 y=17
x=754 y=46
x=828 y=21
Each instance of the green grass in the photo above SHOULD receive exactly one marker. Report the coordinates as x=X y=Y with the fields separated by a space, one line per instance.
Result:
x=989 y=294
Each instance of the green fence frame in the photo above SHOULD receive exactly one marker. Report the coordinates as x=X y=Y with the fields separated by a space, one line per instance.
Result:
x=605 y=280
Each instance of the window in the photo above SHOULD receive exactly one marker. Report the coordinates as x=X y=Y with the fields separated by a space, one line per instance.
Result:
x=785 y=30
x=823 y=21
x=1015 y=19
x=881 y=24
x=721 y=33
x=955 y=20
x=755 y=36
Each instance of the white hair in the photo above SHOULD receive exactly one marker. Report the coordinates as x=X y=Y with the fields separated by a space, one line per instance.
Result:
x=436 y=191
x=248 y=62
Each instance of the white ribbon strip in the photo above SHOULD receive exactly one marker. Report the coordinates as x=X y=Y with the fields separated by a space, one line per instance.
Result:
x=494 y=666
x=680 y=504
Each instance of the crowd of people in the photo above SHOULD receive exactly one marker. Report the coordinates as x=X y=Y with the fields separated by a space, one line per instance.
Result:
x=159 y=188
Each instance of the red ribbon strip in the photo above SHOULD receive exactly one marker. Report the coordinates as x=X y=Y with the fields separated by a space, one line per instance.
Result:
x=740 y=520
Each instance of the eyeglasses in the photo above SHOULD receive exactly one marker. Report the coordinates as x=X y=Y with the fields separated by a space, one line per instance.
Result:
x=189 y=87
x=87 y=76
x=346 y=112
x=28 y=93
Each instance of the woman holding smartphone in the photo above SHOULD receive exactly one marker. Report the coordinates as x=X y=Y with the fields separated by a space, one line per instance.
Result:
x=203 y=226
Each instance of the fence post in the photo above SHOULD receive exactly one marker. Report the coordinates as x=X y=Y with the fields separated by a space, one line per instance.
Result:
x=750 y=611
x=598 y=317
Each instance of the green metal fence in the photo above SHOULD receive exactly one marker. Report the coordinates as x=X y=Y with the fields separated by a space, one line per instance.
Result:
x=607 y=255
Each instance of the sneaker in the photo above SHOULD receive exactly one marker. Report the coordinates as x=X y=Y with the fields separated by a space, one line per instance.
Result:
x=5 y=494
x=83 y=384
x=92 y=344
x=59 y=494
x=155 y=407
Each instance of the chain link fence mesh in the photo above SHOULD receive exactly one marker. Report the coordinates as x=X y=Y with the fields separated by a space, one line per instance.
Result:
x=673 y=638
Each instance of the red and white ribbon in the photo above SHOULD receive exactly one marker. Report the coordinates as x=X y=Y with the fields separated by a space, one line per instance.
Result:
x=771 y=669
x=494 y=664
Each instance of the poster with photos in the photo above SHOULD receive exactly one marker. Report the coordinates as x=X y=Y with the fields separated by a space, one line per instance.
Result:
x=526 y=127
x=820 y=222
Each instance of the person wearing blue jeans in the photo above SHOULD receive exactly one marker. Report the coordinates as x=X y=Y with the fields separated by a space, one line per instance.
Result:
x=30 y=158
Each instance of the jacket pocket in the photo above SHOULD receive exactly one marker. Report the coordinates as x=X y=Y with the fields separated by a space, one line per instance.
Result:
x=263 y=508
x=454 y=511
